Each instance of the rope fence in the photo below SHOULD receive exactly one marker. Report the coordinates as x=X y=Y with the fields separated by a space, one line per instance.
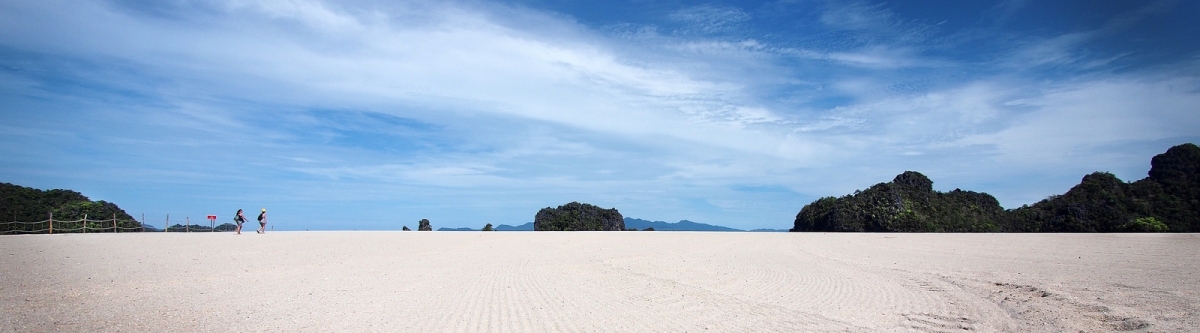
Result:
x=111 y=225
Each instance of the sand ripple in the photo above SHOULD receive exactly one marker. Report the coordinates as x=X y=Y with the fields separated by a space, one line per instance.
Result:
x=599 y=282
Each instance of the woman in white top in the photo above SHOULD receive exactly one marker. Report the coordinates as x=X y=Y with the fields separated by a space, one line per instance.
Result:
x=262 y=221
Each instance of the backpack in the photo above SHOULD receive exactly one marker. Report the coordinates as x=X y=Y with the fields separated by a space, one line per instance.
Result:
x=260 y=216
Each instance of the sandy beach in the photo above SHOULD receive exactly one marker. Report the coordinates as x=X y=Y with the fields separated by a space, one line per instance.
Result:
x=600 y=282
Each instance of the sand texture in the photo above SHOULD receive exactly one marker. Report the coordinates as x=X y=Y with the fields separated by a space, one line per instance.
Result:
x=600 y=282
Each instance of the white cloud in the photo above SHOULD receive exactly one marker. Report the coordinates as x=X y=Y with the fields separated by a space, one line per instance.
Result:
x=879 y=57
x=1058 y=50
x=315 y=14
x=1076 y=117
x=456 y=60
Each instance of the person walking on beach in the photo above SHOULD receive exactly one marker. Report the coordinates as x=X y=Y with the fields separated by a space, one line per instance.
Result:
x=262 y=221
x=239 y=218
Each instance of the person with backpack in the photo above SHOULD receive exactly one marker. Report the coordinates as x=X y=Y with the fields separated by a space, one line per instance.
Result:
x=239 y=218
x=262 y=221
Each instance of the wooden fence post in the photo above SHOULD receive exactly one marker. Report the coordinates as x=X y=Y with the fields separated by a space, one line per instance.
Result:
x=51 y=223
x=187 y=224
x=115 y=230
x=167 y=225
x=84 y=223
x=143 y=222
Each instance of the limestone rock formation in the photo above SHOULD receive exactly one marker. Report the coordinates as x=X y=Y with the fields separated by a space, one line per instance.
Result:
x=1167 y=200
x=578 y=217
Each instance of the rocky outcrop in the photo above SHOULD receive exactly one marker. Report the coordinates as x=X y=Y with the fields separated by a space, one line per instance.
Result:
x=424 y=225
x=1167 y=200
x=578 y=217
x=907 y=204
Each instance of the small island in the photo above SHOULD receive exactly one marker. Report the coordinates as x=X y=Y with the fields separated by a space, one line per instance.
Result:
x=578 y=217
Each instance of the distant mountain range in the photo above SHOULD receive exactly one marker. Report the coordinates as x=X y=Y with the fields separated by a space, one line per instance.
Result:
x=682 y=225
x=768 y=230
x=523 y=227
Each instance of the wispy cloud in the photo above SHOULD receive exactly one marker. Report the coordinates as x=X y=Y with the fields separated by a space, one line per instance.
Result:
x=1056 y=124
x=859 y=16
x=870 y=24
x=709 y=19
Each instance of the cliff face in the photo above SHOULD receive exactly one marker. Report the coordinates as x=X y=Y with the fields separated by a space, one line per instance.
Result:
x=1167 y=200
x=578 y=217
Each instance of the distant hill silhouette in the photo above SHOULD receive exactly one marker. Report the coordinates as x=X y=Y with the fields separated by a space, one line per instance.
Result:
x=456 y=229
x=682 y=225
x=1167 y=200
x=523 y=227
x=768 y=230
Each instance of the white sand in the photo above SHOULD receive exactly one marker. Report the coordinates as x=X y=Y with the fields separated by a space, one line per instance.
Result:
x=600 y=282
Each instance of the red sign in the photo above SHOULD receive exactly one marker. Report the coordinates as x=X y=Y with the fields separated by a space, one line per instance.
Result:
x=212 y=217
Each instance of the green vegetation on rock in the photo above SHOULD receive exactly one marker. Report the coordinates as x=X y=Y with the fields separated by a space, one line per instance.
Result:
x=578 y=217
x=26 y=204
x=1147 y=224
x=907 y=204
x=1167 y=200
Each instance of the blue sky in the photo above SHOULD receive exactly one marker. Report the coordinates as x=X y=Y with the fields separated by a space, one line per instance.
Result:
x=375 y=114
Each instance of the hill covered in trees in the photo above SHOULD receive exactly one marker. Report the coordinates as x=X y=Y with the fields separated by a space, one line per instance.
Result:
x=27 y=204
x=1167 y=200
x=578 y=217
